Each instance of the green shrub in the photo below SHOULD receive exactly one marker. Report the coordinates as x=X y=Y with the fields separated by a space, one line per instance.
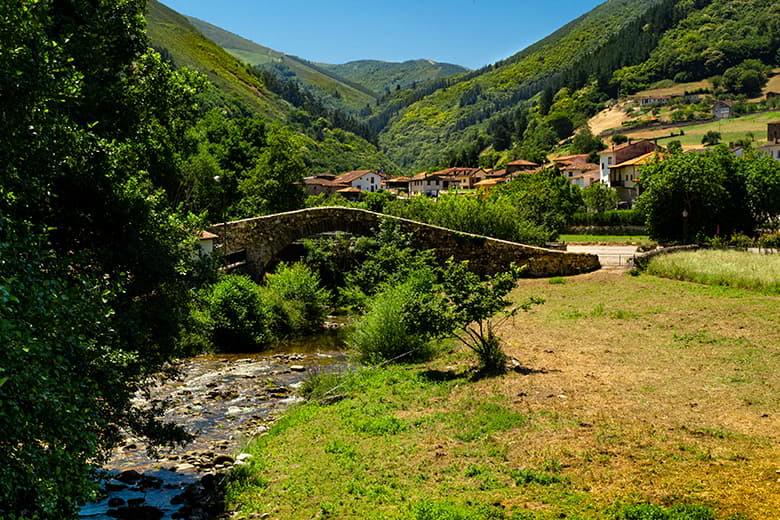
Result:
x=296 y=299
x=239 y=317
x=429 y=510
x=623 y=217
x=769 y=240
x=402 y=320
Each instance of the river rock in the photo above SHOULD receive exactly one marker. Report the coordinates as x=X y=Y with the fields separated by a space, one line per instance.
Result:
x=223 y=459
x=298 y=368
x=116 y=502
x=183 y=468
x=129 y=477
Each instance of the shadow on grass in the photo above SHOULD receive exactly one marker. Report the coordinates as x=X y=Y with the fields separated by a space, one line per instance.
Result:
x=443 y=376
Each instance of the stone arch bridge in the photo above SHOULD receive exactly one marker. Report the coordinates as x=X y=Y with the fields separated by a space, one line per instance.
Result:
x=258 y=241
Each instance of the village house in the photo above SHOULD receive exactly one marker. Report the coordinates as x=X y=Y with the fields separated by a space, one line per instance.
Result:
x=654 y=101
x=620 y=154
x=434 y=183
x=323 y=183
x=520 y=166
x=722 y=109
x=772 y=147
x=397 y=185
x=578 y=170
x=363 y=180
x=624 y=176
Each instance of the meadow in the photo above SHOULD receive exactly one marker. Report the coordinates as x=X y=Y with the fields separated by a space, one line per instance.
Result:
x=727 y=268
x=636 y=398
x=731 y=130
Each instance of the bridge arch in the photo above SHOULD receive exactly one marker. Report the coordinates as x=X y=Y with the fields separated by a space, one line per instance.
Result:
x=263 y=238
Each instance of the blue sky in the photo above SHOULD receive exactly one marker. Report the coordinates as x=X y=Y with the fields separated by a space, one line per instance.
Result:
x=471 y=33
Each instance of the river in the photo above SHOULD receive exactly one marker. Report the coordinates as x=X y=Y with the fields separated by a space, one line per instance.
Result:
x=223 y=400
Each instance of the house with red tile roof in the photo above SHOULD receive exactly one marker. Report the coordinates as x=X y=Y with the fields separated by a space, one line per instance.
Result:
x=520 y=166
x=364 y=180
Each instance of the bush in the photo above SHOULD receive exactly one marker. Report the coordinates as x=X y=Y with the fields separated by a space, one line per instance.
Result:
x=654 y=512
x=296 y=299
x=402 y=320
x=240 y=320
x=621 y=217
x=769 y=240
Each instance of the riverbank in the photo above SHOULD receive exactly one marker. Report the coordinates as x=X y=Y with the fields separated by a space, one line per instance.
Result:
x=637 y=395
x=223 y=401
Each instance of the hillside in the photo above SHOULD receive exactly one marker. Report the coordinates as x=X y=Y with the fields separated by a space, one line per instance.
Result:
x=382 y=76
x=625 y=45
x=596 y=43
x=187 y=47
x=351 y=96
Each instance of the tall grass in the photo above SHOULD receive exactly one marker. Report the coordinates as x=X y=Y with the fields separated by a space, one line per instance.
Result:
x=727 y=268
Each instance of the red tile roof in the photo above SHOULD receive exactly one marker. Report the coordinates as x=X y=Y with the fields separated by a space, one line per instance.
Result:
x=206 y=235
x=521 y=162
x=349 y=177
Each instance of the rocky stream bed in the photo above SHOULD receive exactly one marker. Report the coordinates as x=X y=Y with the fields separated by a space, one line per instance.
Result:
x=223 y=400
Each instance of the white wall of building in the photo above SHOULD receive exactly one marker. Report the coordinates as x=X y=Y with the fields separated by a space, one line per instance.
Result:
x=369 y=182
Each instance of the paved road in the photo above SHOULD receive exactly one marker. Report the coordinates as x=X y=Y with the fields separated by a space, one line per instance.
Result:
x=609 y=256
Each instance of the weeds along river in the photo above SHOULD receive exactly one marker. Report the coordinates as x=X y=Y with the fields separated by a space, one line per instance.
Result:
x=223 y=400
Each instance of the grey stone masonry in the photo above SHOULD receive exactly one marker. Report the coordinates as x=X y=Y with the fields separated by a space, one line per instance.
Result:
x=263 y=238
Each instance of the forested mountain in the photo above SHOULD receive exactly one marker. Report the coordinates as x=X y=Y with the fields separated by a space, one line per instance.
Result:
x=615 y=34
x=383 y=76
x=181 y=42
x=619 y=47
x=342 y=93
x=331 y=139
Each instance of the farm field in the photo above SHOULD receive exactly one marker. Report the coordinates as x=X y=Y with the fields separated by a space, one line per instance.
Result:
x=730 y=129
x=638 y=397
x=726 y=268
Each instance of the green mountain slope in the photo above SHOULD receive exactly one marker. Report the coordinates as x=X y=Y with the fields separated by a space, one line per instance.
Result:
x=352 y=96
x=187 y=47
x=599 y=42
x=382 y=76
x=710 y=39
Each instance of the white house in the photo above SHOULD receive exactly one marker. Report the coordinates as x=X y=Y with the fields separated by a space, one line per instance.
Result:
x=364 y=180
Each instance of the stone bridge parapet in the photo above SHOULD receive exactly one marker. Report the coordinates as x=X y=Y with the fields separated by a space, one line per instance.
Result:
x=264 y=238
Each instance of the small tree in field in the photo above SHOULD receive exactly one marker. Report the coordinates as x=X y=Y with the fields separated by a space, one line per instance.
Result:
x=479 y=307
x=711 y=138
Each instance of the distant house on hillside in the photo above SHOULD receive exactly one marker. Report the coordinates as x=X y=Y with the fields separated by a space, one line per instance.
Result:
x=722 y=109
x=772 y=147
x=620 y=154
x=520 y=166
x=364 y=180
x=490 y=183
x=434 y=183
x=654 y=101
x=578 y=170
x=624 y=176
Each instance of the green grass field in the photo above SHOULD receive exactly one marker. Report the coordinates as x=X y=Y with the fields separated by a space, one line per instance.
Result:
x=731 y=130
x=727 y=268
x=606 y=239
x=641 y=398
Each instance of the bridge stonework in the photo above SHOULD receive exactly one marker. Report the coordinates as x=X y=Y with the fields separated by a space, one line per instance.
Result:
x=264 y=238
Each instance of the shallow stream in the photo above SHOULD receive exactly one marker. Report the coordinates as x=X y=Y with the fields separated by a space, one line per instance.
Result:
x=223 y=400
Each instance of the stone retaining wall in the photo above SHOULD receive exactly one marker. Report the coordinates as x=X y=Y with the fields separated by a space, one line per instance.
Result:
x=263 y=238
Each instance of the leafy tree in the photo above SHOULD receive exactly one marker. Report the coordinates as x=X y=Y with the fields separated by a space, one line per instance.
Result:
x=708 y=188
x=748 y=78
x=95 y=264
x=275 y=184
x=477 y=309
x=674 y=147
x=587 y=143
x=619 y=139
x=762 y=176
x=599 y=198
x=711 y=138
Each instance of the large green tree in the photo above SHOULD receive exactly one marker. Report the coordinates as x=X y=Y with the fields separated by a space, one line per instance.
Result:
x=95 y=262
